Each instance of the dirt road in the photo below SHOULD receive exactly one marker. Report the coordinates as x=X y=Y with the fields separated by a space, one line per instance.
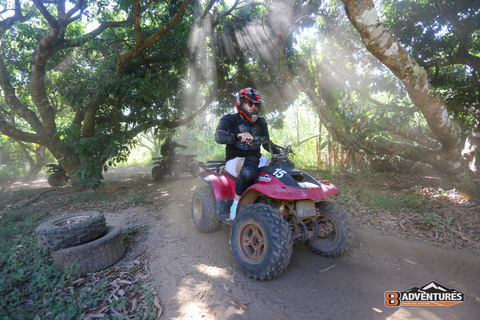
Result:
x=196 y=278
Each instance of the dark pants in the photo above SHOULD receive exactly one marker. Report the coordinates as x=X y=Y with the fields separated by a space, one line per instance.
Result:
x=248 y=175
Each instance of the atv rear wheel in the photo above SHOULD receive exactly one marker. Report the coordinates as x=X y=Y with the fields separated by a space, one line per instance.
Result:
x=57 y=179
x=157 y=173
x=335 y=231
x=203 y=210
x=261 y=242
x=175 y=172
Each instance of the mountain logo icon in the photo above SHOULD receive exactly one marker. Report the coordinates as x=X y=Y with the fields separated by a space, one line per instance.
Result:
x=432 y=294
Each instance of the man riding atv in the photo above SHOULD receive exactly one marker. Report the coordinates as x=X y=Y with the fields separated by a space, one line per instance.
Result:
x=281 y=204
x=237 y=131
x=168 y=150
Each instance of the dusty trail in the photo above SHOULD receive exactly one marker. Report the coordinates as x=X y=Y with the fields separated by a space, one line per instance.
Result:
x=196 y=278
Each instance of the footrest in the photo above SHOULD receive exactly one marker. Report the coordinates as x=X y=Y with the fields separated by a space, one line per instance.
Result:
x=225 y=218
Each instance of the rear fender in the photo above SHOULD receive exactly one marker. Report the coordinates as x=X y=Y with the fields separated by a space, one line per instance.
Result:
x=222 y=186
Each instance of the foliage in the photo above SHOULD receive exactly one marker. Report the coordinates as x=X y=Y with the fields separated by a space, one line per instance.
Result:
x=386 y=200
x=28 y=274
x=430 y=220
x=98 y=153
x=10 y=171
x=79 y=197
x=138 y=199
x=198 y=136
x=429 y=34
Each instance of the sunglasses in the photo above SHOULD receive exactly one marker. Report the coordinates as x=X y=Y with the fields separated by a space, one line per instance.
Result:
x=251 y=104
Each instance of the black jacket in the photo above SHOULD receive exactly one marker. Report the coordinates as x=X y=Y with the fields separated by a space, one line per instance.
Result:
x=228 y=129
x=169 y=149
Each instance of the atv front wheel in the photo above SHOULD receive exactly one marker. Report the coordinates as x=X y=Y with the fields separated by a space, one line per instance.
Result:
x=203 y=210
x=261 y=242
x=57 y=179
x=335 y=231
x=157 y=173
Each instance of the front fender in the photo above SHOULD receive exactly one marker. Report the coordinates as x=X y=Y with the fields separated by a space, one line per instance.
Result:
x=223 y=187
x=283 y=192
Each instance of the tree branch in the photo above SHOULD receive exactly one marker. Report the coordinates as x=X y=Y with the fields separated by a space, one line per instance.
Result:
x=14 y=104
x=18 y=16
x=142 y=45
x=461 y=56
x=205 y=12
x=198 y=112
x=462 y=32
x=9 y=130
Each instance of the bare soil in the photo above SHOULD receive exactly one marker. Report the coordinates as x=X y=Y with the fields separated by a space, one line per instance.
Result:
x=195 y=276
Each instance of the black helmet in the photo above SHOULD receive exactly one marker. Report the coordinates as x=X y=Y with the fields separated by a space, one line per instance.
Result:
x=168 y=140
x=248 y=94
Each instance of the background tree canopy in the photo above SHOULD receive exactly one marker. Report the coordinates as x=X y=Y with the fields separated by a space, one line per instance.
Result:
x=395 y=79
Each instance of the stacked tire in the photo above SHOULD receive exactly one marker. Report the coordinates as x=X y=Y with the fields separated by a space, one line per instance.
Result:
x=81 y=237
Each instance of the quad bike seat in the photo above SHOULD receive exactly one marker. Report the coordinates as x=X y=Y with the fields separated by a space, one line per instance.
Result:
x=185 y=156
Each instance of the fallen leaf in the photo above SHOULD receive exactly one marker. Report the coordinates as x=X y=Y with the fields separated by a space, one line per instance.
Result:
x=226 y=288
x=320 y=271
x=409 y=261
x=277 y=314
x=156 y=302
x=241 y=305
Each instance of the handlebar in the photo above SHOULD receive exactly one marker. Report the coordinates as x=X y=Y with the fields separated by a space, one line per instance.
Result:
x=263 y=140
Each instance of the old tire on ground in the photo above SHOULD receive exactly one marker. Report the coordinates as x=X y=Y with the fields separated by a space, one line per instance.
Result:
x=57 y=179
x=203 y=210
x=337 y=227
x=261 y=242
x=175 y=172
x=194 y=169
x=92 y=256
x=157 y=173
x=70 y=230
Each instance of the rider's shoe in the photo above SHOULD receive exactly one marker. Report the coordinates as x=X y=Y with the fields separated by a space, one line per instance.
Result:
x=233 y=210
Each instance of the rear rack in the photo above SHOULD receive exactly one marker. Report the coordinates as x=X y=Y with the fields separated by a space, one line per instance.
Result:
x=215 y=165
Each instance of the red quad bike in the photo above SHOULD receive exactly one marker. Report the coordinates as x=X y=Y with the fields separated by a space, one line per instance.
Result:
x=59 y=176
x=181 y=163
x=285 y=205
